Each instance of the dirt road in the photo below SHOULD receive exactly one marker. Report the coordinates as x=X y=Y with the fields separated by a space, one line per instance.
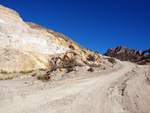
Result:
x=125 y=90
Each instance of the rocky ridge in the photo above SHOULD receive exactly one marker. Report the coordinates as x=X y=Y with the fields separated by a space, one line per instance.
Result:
x=123 y=53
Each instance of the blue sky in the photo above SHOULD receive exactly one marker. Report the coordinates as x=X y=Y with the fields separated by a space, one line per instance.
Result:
x=95 y=24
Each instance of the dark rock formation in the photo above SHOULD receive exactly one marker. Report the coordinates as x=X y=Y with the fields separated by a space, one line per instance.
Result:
x=123 y=53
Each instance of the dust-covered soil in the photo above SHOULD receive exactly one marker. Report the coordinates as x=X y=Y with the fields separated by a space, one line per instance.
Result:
x=125 y=88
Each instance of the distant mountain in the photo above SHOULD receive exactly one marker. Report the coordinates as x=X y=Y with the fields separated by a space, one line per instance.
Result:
x=123 y=53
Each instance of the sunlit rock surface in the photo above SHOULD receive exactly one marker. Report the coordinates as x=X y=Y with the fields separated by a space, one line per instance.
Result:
x=24 y=48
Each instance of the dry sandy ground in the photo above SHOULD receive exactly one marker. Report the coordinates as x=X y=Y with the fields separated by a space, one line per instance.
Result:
x=125 y=89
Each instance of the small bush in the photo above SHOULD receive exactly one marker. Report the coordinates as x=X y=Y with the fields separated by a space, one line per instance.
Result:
x=80 y=65
x=4 y=72
x=112 y=60
x=89 y=49
x=90 y=70
x=42 y=69
x=91 y=58
x=34 y=74
x=96 y=52
x=71 y=63
x=26 y=72
x=38 y=77
x=44 y=78
x=9 y=78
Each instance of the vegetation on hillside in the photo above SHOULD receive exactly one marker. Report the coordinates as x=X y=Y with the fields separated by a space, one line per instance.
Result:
x=112 y=60
x=142 y=60
x=91 y=58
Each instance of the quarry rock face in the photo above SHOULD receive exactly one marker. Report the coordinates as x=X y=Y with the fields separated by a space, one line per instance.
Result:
x=27 y=46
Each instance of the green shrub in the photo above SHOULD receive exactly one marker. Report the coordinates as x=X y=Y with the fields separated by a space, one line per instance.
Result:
x=44 y=78
x=26 y=72
x=89 y=49
x=38 y=77
x=112 y=60
x=42 y=69
x=80 y=65
x=91 y=58
x=4 y=72
x=71 y=63
x=9 y=78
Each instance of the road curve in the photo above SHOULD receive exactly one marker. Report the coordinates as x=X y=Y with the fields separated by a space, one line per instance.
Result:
x=126 y=90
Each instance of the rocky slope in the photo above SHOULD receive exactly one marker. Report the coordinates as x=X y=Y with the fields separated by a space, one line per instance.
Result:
x=27 y=46
x=123 y=53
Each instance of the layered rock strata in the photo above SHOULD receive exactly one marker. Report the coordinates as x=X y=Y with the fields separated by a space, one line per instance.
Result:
x=24 y=47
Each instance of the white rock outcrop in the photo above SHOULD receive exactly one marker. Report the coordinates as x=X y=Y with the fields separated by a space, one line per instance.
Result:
x=23 y=48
